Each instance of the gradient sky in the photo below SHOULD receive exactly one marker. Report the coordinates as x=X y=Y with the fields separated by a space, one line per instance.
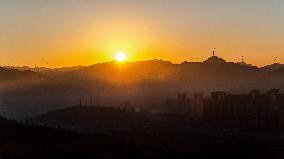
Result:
x=58 y=33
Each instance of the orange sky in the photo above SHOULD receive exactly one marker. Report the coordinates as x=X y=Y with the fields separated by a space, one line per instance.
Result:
x=65 y=33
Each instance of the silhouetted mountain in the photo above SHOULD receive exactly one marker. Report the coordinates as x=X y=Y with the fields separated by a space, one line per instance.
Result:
x=31 y=142
x=56 y=71
x=170 y=141
x=155 y=80
x=145 y=83
x=7 y=123
x=214 y=59
x=273 y=79
x=27 y=68
x=167 y=138
x=26 y=92
x=43 y=70
x=272 y=67
x=158 y=71
x=14 y=74
x=269 y=80
x=81 y=118
x=243 y=63
x=280 y=70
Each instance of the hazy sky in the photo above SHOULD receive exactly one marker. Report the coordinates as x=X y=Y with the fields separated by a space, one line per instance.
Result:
x=71 y=32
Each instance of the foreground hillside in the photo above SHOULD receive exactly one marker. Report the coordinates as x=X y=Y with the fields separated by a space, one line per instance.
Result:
x=83 y=117
x=31 y=142
x=167 y=137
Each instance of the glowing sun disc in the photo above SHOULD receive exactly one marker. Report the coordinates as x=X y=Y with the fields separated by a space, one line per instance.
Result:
x=120 y=56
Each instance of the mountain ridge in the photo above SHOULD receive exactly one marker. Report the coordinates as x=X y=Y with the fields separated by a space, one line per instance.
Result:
x=149 y=83
x=24 y=93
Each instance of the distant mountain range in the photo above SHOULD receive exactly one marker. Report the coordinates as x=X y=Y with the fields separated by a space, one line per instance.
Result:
x=24 y=93
x=156 y=79
x=272 y=67
x=214 y=73
x=144 y=83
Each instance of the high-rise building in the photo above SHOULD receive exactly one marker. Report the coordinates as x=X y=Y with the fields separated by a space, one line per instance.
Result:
x=255 y=110
x=170 y=105
x=181 y=99
x=199 y=102
x=181 y=105
x=218 y=96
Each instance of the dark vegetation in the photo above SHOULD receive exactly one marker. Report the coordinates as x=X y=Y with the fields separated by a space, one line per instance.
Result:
x=26 y=141
x=165 y=136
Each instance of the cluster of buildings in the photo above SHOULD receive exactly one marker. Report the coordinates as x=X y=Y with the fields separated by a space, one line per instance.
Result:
x=184 y=105
x=254 y=111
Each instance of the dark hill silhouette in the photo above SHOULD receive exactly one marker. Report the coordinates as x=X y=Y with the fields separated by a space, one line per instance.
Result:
x=14 y=74
x=7 y=123
x=270 y=80
x=214 y=59
x=81 y=118
x=166 y=138
x=27 y=141
x=156 y=79
x=25 y=93
x=56 y=71
x=158 y=71
x=272 y=67
x=243 y=63
x=27 y=68
x=146 y=83
x=33 y=142
x=43 y=70
x=279 y=71
x=274 y=79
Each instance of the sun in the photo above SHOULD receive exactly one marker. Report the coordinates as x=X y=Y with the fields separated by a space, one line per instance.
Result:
x=120 y=56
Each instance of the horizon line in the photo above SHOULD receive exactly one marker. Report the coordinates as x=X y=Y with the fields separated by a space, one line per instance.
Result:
x=129 y=61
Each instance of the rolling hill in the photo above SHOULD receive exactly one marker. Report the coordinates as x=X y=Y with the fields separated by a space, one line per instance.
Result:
x=91 y=118
x=145 y=83
x=150 y=82
x=25 y=93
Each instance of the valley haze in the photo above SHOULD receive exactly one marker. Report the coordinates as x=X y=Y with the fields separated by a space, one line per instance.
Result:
x=29 y=91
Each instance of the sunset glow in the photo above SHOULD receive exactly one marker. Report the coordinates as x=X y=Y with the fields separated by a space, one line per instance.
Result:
x=141 y=79
x=120 y=56
x=68 y=33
